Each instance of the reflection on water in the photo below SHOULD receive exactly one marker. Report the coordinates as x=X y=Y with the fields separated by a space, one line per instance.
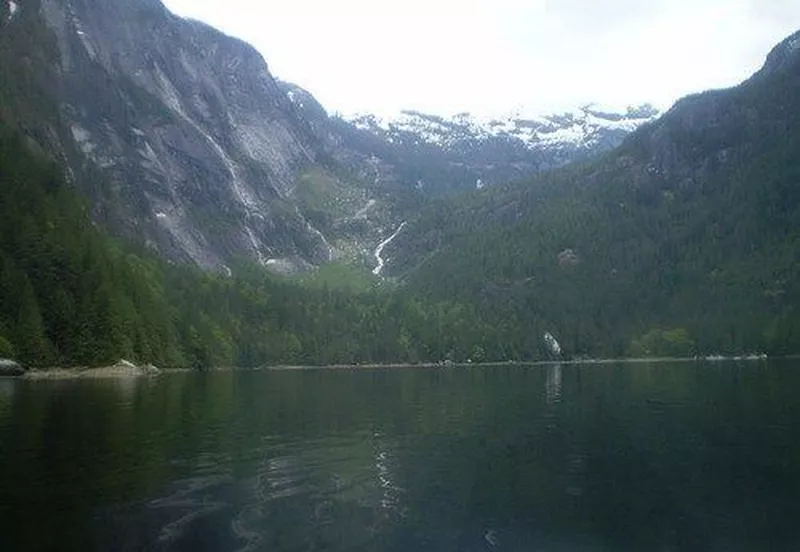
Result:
x=663 y=457
x=7 y=388
x=190 y=502
x=553 y=384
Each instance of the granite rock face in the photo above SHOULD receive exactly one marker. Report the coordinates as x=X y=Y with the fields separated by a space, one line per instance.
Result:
x=198 y=147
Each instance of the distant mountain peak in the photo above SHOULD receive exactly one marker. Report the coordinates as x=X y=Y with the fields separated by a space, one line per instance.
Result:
x=581 y=127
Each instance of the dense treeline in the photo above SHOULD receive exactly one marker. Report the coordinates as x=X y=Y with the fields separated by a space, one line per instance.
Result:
x=71 y=296
x=67 y=294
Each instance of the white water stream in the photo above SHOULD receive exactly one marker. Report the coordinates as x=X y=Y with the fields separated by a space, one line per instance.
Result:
x=241 y=193
x=379 y=250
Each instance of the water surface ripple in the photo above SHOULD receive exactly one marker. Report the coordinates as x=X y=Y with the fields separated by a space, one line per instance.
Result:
x=694 y=457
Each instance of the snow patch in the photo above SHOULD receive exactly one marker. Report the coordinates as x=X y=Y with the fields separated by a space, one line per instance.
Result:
x=574 y=134
x=577 y=127
x=13 y=8
x=296 y=98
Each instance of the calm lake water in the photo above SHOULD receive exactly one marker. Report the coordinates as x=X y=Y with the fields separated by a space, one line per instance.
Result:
x=523 y=458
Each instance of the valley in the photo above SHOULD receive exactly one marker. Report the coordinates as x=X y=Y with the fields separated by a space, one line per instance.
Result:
x=233 y=317
x=184 y=207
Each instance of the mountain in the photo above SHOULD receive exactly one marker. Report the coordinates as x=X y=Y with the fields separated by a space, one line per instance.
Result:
x=682 y=240
x=689 y=231
x=498 y=150
x=184 y=141
x=431 y=156
x=416 y=156
x=189 y=142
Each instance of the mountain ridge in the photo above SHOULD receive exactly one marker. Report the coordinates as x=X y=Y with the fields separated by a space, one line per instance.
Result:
x=572 y=127
x=465 y=152
x=692 y=223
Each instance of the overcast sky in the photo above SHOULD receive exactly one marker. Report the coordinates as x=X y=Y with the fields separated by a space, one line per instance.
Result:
x=496 y=56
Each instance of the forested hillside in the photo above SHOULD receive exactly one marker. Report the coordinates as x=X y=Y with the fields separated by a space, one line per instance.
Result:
x=67 y=293
x=71 y=296
x=686 y=239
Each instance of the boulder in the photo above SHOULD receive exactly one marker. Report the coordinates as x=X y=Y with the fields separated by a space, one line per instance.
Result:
x=125 y=365
x=10 y=368
x=150 y=370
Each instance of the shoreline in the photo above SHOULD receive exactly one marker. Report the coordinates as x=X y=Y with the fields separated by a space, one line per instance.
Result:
x=125 y=369
x=575 y=362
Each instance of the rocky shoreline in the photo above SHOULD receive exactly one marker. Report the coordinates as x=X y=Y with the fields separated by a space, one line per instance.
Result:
x=122 y=369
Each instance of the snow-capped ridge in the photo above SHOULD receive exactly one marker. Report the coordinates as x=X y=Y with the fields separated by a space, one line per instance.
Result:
x=579 y=127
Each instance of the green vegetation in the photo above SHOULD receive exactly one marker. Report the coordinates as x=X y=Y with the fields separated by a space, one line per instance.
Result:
x=6 y=348
x=693 y=223
x=343 y=277
x=68 y=294
x=71 y=296
x=663 y=343
x=319 y=192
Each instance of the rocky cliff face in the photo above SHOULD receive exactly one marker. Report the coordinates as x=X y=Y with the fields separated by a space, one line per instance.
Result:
x=201 y=148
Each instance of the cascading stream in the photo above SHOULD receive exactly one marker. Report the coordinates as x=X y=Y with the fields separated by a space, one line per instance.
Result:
x=379 y=250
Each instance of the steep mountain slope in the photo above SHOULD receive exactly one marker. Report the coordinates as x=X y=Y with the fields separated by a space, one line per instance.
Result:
x=201 y=154
x=693 y=223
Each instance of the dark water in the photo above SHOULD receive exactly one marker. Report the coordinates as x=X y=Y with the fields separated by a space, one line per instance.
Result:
x=614 y=458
